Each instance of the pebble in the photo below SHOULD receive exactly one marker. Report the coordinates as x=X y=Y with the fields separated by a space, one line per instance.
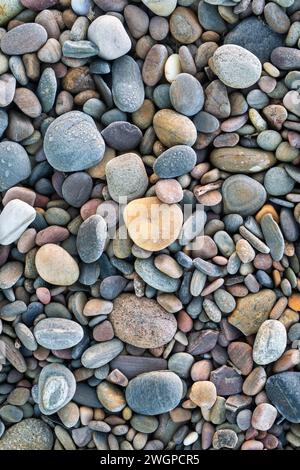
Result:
x=111 y=397
x=142 y=322
x=48 y=258
x=7 y=89
x=127 y=85
x=273 y=236
x=235 y=66
x=122 y=136
x=252 y=310
x=22 y=39
x=161 y=8
x=264 y=417
x=151 y=224
x=126 y=177
x=173 y=128
x=169 y=191
x=242 y=195
x=185 y=103
x=91 y=238
x=29 y=434
x=109 y=35
x=175 y=162
x=242 y=160
x=224 y=438
x=270 y=342
x=14 y=219
x=58 y=333
x=203 y=394
x=154 y=393
x=282 y=390
x=101 y=354
x=56 y=388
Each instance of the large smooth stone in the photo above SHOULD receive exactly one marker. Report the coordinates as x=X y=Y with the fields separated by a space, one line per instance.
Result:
x=242 y=195
x=153 y=225
x=15 y=165
x=242 y=159
x=56 y=266
x=73 y=143
x=255 y=36
x=154 y=393
x=57 y=386
x=29 y=434
x=235 y=66
x=283 y=391
x=58 y=333
x=146 y=269
x=102 y=353
x=176 y=161
x=127 y=85
x=142 y=322
x=251 y=311
x=126 y=177
x=110 y=36
x=22 y=39
x=270 y=342
x=14 y=219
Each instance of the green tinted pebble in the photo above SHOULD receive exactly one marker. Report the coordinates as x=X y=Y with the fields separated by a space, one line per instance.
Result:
x=57 y=216
x=269 y=140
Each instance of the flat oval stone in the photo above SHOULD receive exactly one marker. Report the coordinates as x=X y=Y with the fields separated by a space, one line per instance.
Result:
x=49 y=258
x=56 y=387
x=153 y=67
x=14 y=219
x=270 y=342
x=152 y=225
x=174 y=129
x=273 y=236
x=91 y=238
x=175 y=161
x=142 y=322
x=242 y=195
x=186 y=94
x=277 y=182
x=101 y=353
x=110 y=36
x=286 y=58
x=7 y=89
x=76 y=188
x=58 y=333
x=122 y=136
x=255 y=36
x=47 y=88
x=127 y=85
x=9 y=9
x=15 y=164
x=146 y=269
x=73 y=143
x=29 y=434
x=154 y=392
x=22 y=39
x=164 y=8
x=242 y=160
x=10 y=273
x=126 y=177
x=235 y=66
x=283 y=390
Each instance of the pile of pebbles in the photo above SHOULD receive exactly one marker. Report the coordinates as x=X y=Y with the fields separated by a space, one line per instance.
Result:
x=185 y=333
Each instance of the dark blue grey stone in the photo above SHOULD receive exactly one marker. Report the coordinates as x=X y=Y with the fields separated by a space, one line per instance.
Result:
x=127 y=84
x=210 y=18
x=3 y=121
x=77 y=188
x=283 y=391
x=15 y=164
x=91 y=238
x=86 y=396
x=264 y=279
x=175 y=161
x=255 y=36
x=122 y=136
x=112 y=286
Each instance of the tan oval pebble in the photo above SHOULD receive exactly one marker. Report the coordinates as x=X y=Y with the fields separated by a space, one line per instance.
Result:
x=69 y=415
x=27 y=102
x=289 y=359
x=24 y=194
x=153 y=67
x=204 y=394
x=27 y=240
x=264 y=416
x=56 y=266
x=169 y=302
x=245 y=251
x=111 y=397
x=184 y=25
x=151 y=224
x=173 y=128
x=168 y=265
x=10 y=273
x=97 y=307
x=255 y=381
x=169 y=191
x=242 y=160
x=172 y=67
x=201 y=370
x=142 y=322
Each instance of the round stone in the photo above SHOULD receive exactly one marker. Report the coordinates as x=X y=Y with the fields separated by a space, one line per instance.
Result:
x=22 y=39
x=127 y=85
x=277 y=182
x=56 y=266
x=56 y=388
x=169 y=191
x=91 y=238
x=58 y=333
x=186 y=94
x=203 y=394
x=122 y=136
x=242 y=195
x=111 y=397
x=181 y=363
x=110 y=36
x=235 y=66
x=283 y=392
x=174 y=129
x=151 y=224
x=263 y=417
x=270 y=342
x=102 y=353
x=29 y=434
x=269 y=140
x=154 y=393
x=73 y=143
x=76 y=189
x=142 y=322
x=126 y=177
x=175 y=161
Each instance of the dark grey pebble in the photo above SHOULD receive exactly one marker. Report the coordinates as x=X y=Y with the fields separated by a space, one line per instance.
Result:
x=286 y=58
x=206 y=122
x=283 y=391
x=175 y=161
x=15 y=164
x=58 y=333
x=86 y=396
x=91 y=238
x=100 y=67
x=210 y=18
x=112 y=286
x=201 y=342
x=127 y=84
x=277 y=182
x=208 y=268
x=289 y=226
x=77 y=188
x=122 y=136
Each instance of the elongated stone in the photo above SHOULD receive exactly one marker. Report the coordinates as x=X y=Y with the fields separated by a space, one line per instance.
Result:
x=283 y=391
x=58 y=333
x=27 y=37
x=131 y=366
x=127 y=85
x=208 y=268
x=242 y=160
x=146 y=269
x=79 y=49
x=273 y=236
x=101 y=354
x=270 y=342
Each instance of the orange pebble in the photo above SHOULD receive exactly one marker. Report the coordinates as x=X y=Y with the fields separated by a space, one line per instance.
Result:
x=294 y=302
x=267 y=209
